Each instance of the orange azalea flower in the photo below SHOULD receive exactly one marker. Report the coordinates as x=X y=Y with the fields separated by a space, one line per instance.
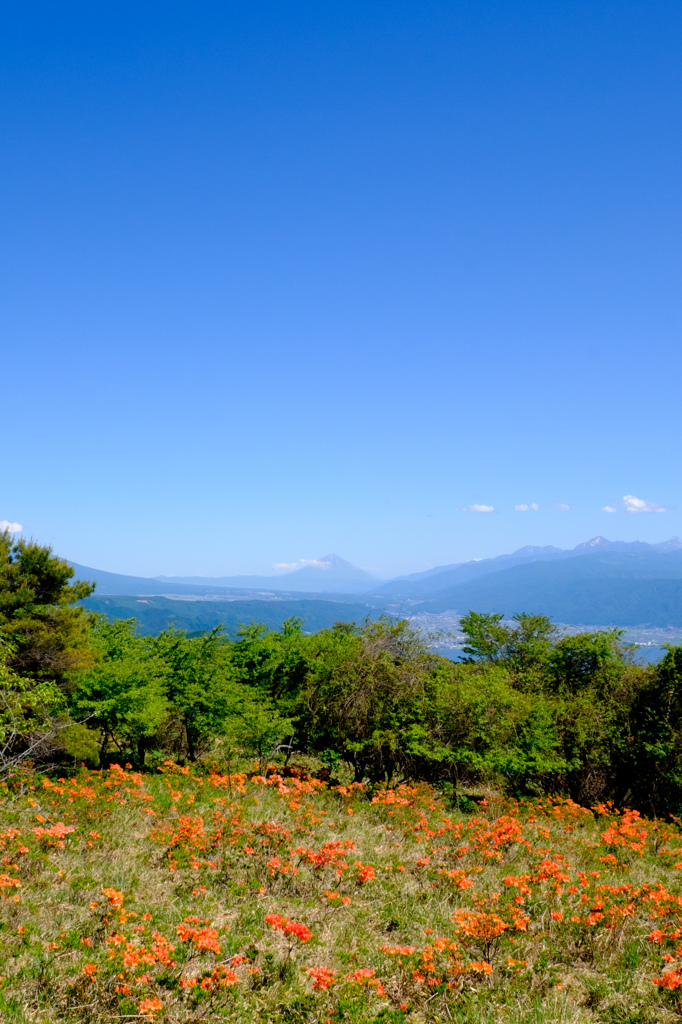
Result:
x=115 y=898
x=322 y=977
x=150 y=1007
x=289 y=927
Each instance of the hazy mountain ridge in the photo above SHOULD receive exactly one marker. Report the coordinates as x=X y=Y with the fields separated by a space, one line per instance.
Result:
x=420 y=586
x=111 y=584
x=330 y=573
x=342 y=577
x=526 y=552
x=599 y=581
x=434 y=582
x=612 y=588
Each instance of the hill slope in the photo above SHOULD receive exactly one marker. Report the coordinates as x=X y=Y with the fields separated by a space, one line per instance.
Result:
x=116 y=583
x=156 y=613
x=422 y=585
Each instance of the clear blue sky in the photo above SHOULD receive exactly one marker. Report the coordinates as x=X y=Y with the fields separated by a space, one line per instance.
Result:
x=280 y=279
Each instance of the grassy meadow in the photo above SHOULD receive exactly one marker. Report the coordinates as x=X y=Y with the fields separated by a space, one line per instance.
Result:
x=190 y=894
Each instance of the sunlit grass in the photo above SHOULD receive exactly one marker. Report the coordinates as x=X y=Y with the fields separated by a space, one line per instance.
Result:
x=191 y=895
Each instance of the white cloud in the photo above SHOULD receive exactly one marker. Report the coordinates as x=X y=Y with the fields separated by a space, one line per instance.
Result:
x=478 y=508
x=608 y=508
x=301 y=564
x=633 y=504
x=11 y=527
x=527 y=508
x=558 y=506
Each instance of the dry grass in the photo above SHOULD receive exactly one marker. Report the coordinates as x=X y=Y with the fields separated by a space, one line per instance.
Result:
x=130 y=896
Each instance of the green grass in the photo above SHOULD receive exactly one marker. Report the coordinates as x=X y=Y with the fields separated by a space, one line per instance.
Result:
x=416 y=911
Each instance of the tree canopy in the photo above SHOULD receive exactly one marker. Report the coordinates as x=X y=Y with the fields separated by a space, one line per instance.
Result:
x=39 y=615
x=530 y=708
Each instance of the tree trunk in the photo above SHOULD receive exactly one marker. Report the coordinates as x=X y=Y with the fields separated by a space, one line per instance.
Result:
x=289 y=750
x=103 y=749
x=191 y=750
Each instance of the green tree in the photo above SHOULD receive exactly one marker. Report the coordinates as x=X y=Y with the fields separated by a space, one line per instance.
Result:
x=530 y=642
x=200 y=684
x=486 y=635
x=367 y=696
x=652 y=745
x=31 y=712
x=39 y=615
x=275 y=663
x=495 y=731
x=123 y=694
x=586 y=660
x=255 y=725
x=525 y=645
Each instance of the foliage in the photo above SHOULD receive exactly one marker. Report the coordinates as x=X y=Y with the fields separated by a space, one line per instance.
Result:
x=123 y=694
x=256 y=727
x=495 y=730
x=652 y=753
x=586 y=660
x=80 y=743
x=29 y=711
x=525 y=645
x=49 y=633
x=273 y=662
x=366 y=696
x=486 y=635
x=530 y=710
x=199 y=684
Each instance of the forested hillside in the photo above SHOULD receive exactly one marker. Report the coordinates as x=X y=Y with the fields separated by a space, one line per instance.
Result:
x=153 y=614
x=531 y=711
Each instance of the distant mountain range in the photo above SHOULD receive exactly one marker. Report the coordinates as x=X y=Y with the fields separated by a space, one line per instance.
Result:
x=612 y=588
x=599 y=582
x=421 y=586
x=329 y=573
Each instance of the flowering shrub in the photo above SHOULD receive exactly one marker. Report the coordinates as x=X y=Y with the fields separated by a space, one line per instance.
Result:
x=55 y=834
x=322 y=977
x=160 y=889
x=202 y=938
x=289 y=927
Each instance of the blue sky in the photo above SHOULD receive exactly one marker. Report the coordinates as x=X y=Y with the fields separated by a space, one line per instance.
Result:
x=281 y=279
